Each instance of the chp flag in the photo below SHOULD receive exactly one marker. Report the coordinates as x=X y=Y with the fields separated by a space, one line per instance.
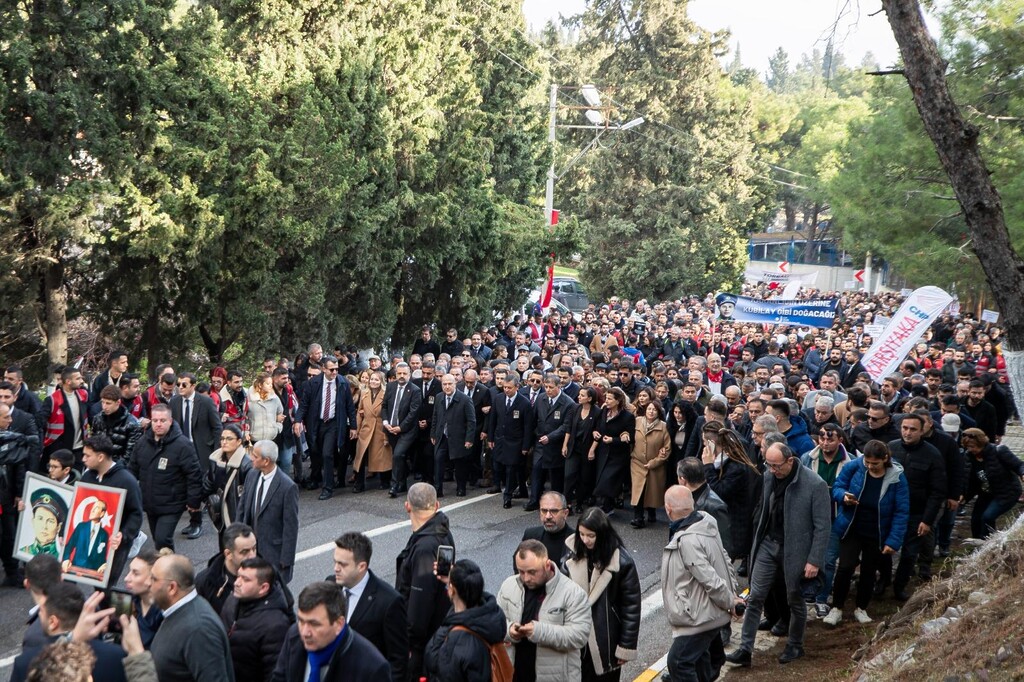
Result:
x=908 y=325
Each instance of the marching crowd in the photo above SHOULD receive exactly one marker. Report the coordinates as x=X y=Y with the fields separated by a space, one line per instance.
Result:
x=774 y=455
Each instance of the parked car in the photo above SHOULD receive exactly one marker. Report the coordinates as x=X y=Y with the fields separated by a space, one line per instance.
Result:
x=570 y=293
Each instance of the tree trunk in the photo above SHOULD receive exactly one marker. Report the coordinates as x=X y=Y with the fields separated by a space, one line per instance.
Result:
x=56 y=305
x=812 y=233
x=790 y=209
x=957 y=145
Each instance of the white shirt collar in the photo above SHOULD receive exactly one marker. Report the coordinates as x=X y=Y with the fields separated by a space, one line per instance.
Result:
x=268 y=477
x=184 y=600
x=356 y=593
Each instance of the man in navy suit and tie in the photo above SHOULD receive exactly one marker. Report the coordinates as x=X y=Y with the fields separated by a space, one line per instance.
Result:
x=451 y=433
x=87 y=547
x=270 y=506
x=551 y=418
x=509 y=434
x=401 y=405
x=328 y=415
x=375 y=609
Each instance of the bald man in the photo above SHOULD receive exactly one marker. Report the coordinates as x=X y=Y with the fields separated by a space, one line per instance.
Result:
x=696 y=572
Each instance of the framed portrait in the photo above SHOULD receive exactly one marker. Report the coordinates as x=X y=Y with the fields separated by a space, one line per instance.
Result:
x=41 y=527
x=94 y=517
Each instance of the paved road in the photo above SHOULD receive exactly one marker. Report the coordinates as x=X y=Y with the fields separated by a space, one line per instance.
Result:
x=483 y=531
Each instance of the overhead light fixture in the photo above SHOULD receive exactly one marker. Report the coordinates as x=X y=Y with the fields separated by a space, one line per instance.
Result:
x=632 y=124
x=595 y=117
x=591 y=94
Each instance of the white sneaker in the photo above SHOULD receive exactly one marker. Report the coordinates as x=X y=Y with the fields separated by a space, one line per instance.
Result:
x=833 y=617
x=861 y=615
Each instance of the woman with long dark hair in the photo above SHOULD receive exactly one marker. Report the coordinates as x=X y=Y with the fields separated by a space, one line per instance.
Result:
x=735 y=479
x=599 y=563
x=613 y=441
x=579 y=469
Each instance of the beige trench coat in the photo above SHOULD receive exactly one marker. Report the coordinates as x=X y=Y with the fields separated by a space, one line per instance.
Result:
x=371 y=441
x=650 y=445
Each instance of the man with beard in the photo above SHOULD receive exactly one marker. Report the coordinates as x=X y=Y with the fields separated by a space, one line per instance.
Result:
x=234 y=403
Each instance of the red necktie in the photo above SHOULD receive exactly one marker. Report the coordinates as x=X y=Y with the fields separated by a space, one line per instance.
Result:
x=327 y=403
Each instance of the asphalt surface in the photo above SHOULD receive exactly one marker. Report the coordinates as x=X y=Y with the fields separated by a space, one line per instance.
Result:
x=483 y=531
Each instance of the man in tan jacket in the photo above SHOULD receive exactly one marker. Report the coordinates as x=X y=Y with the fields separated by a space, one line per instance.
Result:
x=698 y=586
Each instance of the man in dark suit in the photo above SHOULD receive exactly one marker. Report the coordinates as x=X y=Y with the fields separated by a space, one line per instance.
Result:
x=327 y=413
x=551 y=418
x=429 y=388
x=481 y=398
x=87 y=546
x=451 y=431
x=63 y=417
x=58 y=616
x=509 y=435
x=270 y=505
x=569 y=387
x=401 y=406
x=200 y=422
x=375 y=609
x=320 y=647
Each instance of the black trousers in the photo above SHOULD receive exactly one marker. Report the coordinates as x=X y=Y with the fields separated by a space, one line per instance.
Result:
x=853 y=550
x=322 y=453
x=460 y=467
x=161 y=530
x=8 y=529
x=556 y=476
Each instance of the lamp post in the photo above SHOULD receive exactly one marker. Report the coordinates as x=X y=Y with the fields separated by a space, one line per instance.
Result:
x=596 y=114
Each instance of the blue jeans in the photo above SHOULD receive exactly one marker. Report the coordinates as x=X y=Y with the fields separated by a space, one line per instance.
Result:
x=828 y=569
x=284 y=459
x=986 y=512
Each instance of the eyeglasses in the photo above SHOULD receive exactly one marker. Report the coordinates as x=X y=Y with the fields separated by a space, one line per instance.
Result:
x=876 y=419
x=330 y=370
x=775 y=467
x=184 y=384
x=829 y=435
x=551 y=512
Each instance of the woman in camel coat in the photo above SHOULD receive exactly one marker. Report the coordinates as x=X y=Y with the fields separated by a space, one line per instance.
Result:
x=651 y=449
x=373 y=452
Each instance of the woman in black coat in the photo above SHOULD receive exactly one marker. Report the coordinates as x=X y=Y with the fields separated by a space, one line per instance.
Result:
x=453 y=654
x=579 y=436
x=613 y=442
x=995 y=478
x=735 y=479
x=225 y=476
x=681 y=418
x=599 y=563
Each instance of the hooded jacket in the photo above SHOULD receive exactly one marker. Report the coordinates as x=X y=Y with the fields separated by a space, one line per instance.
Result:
x=425 y=596
x=698 y=585
x=457 y=656
x=797 y=437
x=893 y=502
x=168 y=472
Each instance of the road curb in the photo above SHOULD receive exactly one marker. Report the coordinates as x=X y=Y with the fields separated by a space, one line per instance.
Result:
x=654 y=672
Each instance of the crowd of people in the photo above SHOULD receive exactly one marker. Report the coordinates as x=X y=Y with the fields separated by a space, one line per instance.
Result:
x=776 y=458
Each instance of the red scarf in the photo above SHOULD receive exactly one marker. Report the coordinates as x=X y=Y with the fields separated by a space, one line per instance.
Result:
x=55 y=422
x=716 y=378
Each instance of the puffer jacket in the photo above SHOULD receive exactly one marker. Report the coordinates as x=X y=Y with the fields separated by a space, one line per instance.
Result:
x=123 y=430
x=256 y=631
x=893 y=502
x=457 y=656
x=561 y=629
x=797 y=437
x=263 y=424
x=698 y=584
x=614 y=597
x=168 y=473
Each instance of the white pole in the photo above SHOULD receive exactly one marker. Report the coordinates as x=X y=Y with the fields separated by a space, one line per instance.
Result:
x=867 y=272
x=549 y=191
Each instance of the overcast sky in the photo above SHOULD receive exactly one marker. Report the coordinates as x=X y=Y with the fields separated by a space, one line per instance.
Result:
x=762 y=26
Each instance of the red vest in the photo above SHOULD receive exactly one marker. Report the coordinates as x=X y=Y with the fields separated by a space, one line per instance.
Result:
x=55 y=422
x=135 y=407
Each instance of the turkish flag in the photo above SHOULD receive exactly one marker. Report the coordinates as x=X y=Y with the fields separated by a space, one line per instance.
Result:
x=545 y=299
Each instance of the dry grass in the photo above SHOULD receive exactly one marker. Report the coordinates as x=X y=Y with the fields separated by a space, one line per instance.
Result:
x=967 y=648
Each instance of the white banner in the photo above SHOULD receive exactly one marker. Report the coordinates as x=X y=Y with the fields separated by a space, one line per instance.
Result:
x=908 y=325
x=805 y=278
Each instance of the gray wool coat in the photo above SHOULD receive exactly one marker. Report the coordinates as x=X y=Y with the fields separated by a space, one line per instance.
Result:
x=808 y=522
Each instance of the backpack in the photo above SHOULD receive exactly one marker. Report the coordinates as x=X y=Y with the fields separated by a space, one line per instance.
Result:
x=501 y=664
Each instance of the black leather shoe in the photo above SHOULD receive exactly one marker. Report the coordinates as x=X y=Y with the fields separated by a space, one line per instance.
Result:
x=493 y=491
x=740 y=657
x=186 y=530
x=900 y=595
x=310 y=485
x=460 y=493
x=194 y=532
x=358 y=488
x=440 y=496
x=326 y=494
x=521 y=495
x=764 y=625
x=531 y=506
x=791 y=654
x=638 y=523
x=507 y=504
x=780 y=629
x=392 y=493
x=880 y=588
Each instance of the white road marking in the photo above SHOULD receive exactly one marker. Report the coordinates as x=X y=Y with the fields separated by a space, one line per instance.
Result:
x=383 y=530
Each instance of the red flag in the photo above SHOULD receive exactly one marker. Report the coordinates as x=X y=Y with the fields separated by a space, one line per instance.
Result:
x=545 y=300
x=554 y=217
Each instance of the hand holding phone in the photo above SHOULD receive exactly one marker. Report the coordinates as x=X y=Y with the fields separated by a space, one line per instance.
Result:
x=445 y=559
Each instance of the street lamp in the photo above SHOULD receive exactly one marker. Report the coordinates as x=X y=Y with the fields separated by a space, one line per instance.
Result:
x=598 y=119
